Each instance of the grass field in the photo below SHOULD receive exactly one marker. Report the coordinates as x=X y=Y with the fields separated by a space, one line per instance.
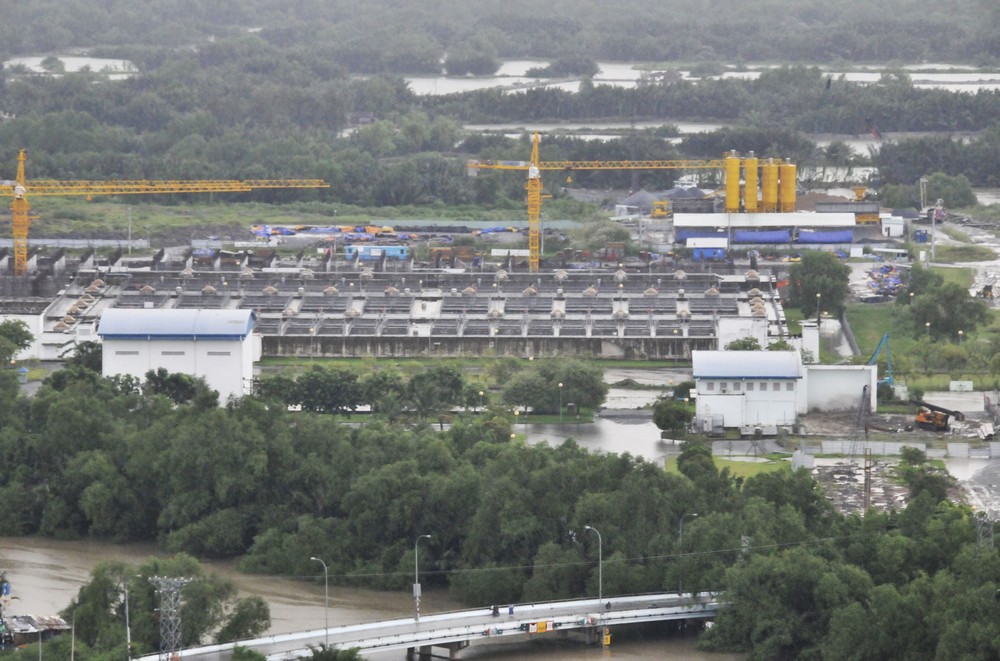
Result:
x=956 y=234
x=236 y=213
x=960 y=276
x=966 y=253
x=738 y=468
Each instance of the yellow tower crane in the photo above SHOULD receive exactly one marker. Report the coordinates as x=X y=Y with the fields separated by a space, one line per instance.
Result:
x=534 y=183
x=20 y=191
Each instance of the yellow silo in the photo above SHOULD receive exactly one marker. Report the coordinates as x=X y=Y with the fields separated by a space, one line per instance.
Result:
x=787 y=187
x=732 y=183
x=750 y=185
x=769 y=191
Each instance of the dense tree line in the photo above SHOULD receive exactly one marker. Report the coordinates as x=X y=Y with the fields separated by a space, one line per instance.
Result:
x=90 y=457
x=384 y=35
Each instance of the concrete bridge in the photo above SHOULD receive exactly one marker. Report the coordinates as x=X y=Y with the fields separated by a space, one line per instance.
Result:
x=455 y=630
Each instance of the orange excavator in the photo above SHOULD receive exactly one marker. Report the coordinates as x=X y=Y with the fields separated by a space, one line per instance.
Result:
x=934 y=418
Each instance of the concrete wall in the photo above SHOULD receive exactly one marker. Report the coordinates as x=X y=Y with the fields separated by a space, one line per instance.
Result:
x=736 y=328
x=226 y=365
x=754 y=407
x=839 y=387
x=35 y=323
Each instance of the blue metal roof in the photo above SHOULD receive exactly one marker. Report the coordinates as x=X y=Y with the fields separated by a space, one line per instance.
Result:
x=142 y=324
x=746 y=364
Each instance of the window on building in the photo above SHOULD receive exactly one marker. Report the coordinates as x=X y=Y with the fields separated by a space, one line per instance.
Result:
x=126 y=353
x=219 y=353
x=171 y=353
x=775 y=387
x=723 y=386
x=749 y=386
x=789 y=385
x=763 y=386
x=710 y=386
x=736 y=386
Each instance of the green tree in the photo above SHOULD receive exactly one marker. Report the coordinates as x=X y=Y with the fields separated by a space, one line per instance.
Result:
x=820 y=281
x=88 y=355
x=14 y=338
x=671 y=415
x=953 y=191
x=744 y=344
x=945 y=310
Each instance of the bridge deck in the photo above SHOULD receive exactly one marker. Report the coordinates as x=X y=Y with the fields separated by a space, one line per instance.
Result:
x=475 y=624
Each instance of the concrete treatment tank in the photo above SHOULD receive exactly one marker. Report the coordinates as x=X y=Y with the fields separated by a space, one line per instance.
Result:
x=787 y=187
x=732 y=183
x=750 y=185
x=770 y=186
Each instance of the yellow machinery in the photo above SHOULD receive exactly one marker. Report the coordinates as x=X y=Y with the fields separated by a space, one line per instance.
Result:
x=661 y=209
x=730 y=164
x=20 y=191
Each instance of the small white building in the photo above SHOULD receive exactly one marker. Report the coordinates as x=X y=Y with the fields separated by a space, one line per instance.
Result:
x=748 y=388
x=217 y=345
x=771 y=388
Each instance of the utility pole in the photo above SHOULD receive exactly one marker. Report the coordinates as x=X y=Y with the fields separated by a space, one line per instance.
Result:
x=169 y=589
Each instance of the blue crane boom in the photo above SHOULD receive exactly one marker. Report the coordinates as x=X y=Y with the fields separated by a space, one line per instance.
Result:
x=884 y=343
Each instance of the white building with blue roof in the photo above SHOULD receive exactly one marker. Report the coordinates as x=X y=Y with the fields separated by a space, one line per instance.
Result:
x=748 y=388
x=768 y=389
x=217 y=345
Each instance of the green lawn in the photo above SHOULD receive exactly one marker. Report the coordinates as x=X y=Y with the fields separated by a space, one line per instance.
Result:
x=738 y=468
x=956 y=234
x=968 y=253
x=960 y=276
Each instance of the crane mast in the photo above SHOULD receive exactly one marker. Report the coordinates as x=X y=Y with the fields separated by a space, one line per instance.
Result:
x=19 y=190
x=533 y=185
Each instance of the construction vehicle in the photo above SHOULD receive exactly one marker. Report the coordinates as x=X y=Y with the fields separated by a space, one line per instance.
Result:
x=772 y=197
x=20 y=190
x=883 y=344
x=661 y=209
x=934 y=418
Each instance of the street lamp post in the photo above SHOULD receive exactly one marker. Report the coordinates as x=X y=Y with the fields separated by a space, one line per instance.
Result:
x=416 y=573
x=680 y=545
x=481 y=393
x=128 y=626
x=927 y=325
x=326 y=599
x=960 y=333
x=600 y=564
x=560 y=403
x=819 y=296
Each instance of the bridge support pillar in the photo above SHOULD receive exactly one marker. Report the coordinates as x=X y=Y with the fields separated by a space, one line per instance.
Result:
x=425 y=652
x=455 y=647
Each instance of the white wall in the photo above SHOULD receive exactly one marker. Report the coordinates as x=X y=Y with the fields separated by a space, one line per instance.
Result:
x=226 y=365
x=740 y=406
x=736 y=328
x=839 y=387
x=34 y=322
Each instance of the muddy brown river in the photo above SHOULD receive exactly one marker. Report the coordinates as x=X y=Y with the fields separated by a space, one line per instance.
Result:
x=45 y=575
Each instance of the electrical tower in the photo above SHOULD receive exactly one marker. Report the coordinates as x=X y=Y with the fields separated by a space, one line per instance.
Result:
x=169 y=589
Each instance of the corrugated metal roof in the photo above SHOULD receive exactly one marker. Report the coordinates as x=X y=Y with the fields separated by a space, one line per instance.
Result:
x=120 y=323
x=746 y=364
x=763 y=220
